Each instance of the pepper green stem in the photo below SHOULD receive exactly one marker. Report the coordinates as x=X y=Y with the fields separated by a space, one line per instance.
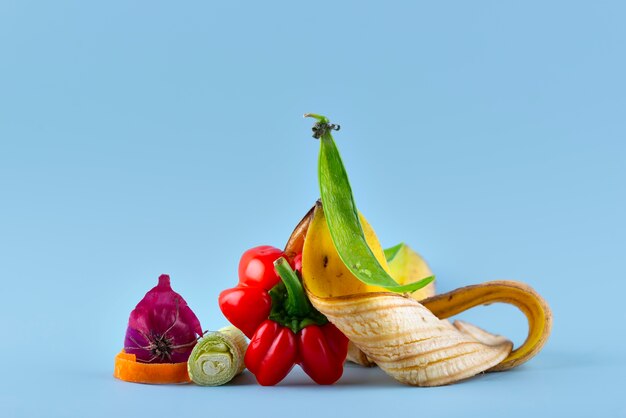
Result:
x=297 y=303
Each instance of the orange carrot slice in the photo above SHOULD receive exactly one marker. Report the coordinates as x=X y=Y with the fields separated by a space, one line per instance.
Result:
x=129 y=369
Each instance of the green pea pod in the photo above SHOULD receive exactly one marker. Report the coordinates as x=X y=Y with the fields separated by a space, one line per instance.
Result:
x=343 y=218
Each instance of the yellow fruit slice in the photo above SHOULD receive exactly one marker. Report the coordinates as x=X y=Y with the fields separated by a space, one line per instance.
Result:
x=407 y=266
x=326 y=275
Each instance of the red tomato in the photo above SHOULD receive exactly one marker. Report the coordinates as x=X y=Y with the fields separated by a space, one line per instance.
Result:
x=256 y=267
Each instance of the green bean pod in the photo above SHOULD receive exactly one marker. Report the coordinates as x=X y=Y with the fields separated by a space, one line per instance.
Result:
x=342 y=216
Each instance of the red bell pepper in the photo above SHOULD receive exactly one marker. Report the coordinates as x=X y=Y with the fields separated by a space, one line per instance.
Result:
x=272 y=353
x=249 y=304
x=256 y=267
x=295 y=333
x=246 y=307
x=322 y=349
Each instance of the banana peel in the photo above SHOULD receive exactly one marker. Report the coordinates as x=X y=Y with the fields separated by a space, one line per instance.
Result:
x=405 y=266
x=409 y=340
x=524 y=297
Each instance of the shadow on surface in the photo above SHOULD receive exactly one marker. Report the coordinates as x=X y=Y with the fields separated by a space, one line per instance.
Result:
x=353 y=375
x=358 y=376
x=559 y=360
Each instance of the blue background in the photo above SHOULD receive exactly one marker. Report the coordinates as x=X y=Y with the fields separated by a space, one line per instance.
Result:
x=140 y=138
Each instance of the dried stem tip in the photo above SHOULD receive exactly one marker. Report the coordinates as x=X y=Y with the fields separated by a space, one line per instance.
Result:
x=322 y=125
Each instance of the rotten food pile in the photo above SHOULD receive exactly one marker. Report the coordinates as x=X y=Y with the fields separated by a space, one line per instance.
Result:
x=332 y=294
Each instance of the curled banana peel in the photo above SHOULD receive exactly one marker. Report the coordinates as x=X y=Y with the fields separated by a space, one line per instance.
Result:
x=409 y=340
x=406 y=266
x=525 y=298
x=410 y=343
x=518 y=294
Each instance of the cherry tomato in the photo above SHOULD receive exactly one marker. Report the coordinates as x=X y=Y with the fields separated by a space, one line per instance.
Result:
x=256 y=267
